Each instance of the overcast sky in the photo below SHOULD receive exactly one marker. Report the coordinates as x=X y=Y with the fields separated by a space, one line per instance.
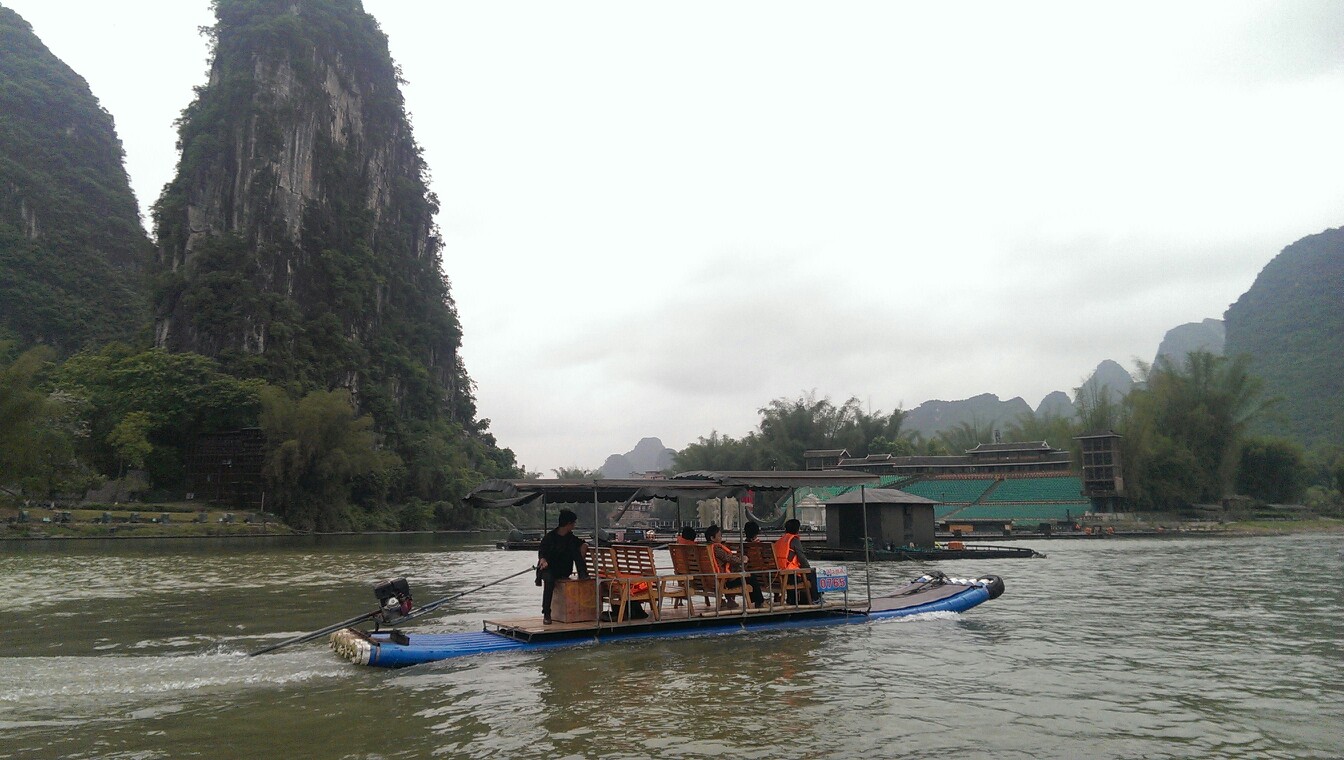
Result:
x=659 y=217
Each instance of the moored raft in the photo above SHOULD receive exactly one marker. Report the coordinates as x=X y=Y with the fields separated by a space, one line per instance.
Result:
x=949 y=551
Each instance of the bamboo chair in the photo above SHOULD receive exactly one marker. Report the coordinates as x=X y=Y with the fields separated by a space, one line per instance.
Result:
x=637 y=579
x=714 y=584
x=677 y=586
x=761 y=561
x=622 y=580
x=685 y=565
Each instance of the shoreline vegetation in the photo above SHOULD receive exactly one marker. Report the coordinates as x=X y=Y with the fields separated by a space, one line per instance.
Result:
x=152 y=521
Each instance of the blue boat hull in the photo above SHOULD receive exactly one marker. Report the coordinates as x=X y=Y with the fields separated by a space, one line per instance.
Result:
x=379 y=650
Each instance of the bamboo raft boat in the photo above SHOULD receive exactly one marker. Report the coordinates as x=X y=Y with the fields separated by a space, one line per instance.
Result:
x=625 y=579
x=394 y=649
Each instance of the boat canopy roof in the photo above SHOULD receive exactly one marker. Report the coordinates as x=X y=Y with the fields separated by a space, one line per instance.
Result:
x=701 y=484
x=512 y=493
x=780 y=480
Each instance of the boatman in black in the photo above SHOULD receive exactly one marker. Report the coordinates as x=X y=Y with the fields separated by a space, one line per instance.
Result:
x=560 y=551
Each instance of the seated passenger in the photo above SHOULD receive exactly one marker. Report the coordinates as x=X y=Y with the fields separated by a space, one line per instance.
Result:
x=789 y=555
x=751 y=532
x=725 y=560
x=685 y=538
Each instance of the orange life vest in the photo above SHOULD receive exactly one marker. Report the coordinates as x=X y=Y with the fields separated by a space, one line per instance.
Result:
x=713 y=560
x=638 y=587
x=782 y=547
x=684 y=541
x=718 y=566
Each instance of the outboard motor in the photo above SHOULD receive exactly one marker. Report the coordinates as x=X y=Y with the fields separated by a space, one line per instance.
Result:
x=394 y=596
x=994 y=584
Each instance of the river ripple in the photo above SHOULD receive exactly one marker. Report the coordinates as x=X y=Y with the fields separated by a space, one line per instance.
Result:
x=1169 y=648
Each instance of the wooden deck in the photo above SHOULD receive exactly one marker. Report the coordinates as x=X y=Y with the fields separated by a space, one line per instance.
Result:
x=532 y=628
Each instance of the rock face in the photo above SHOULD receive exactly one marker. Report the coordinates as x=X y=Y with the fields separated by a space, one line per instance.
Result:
x=1179 y=341
x=1291 y=324
x=297 y=241
x=1110 y=376
x=1056 y=404
x=72 y=251
x=932 y=417
x=649 y=455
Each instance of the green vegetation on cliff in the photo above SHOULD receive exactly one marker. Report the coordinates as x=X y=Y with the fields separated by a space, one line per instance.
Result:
x=297 y=242
x=297 y=285
x=1291 y=325
x=72 y=252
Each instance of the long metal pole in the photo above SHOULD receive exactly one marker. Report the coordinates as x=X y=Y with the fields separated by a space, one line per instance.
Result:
x=867 y=549
x=741 y=529
x=597 y=582
x=742 y=552
x=426 y=609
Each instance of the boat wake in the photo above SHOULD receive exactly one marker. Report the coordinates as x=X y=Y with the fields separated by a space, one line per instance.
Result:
x=116 y=686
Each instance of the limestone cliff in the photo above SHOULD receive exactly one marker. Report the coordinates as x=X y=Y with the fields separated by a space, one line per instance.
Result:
x=937 y=416
x=72 y=251
x=1291 y=324
x=1179 y=341
x=297 y=241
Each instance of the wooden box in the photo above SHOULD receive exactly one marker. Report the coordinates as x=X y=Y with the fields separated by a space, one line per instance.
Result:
x=574 y=601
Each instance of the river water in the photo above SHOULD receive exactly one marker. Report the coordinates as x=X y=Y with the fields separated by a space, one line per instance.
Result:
x=1120 y=648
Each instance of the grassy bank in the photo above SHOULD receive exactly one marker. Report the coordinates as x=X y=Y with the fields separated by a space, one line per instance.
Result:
x=1285 y=527
x=135 y=521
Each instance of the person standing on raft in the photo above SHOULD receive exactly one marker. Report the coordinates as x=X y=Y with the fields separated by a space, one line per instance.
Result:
x=560 y=551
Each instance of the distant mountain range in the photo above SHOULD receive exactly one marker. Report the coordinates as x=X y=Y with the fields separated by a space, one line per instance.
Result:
x=1209 y=335
x=933 y=417
x=649 y=455
x=1290 y=322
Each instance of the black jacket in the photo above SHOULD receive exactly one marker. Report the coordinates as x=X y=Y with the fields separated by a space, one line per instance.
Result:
x=562 y=553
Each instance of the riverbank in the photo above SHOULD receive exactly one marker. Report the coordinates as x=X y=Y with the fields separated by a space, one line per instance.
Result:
x=1285 y=527
x=104 y=524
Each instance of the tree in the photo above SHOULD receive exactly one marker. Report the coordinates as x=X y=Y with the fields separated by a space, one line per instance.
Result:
x=130 y=440
x=22 y=409
x=1196 y=413
x=929 y=447
x=317 y=447
x=717 y=452
x=39 y=430
x=790 y=427
x=1052 y=428
x=180 y=395
x=1171 y=476
x=1097 y=409
x=1272 y=470
x=576 y=473
x=900 y=447
x=966 y=436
